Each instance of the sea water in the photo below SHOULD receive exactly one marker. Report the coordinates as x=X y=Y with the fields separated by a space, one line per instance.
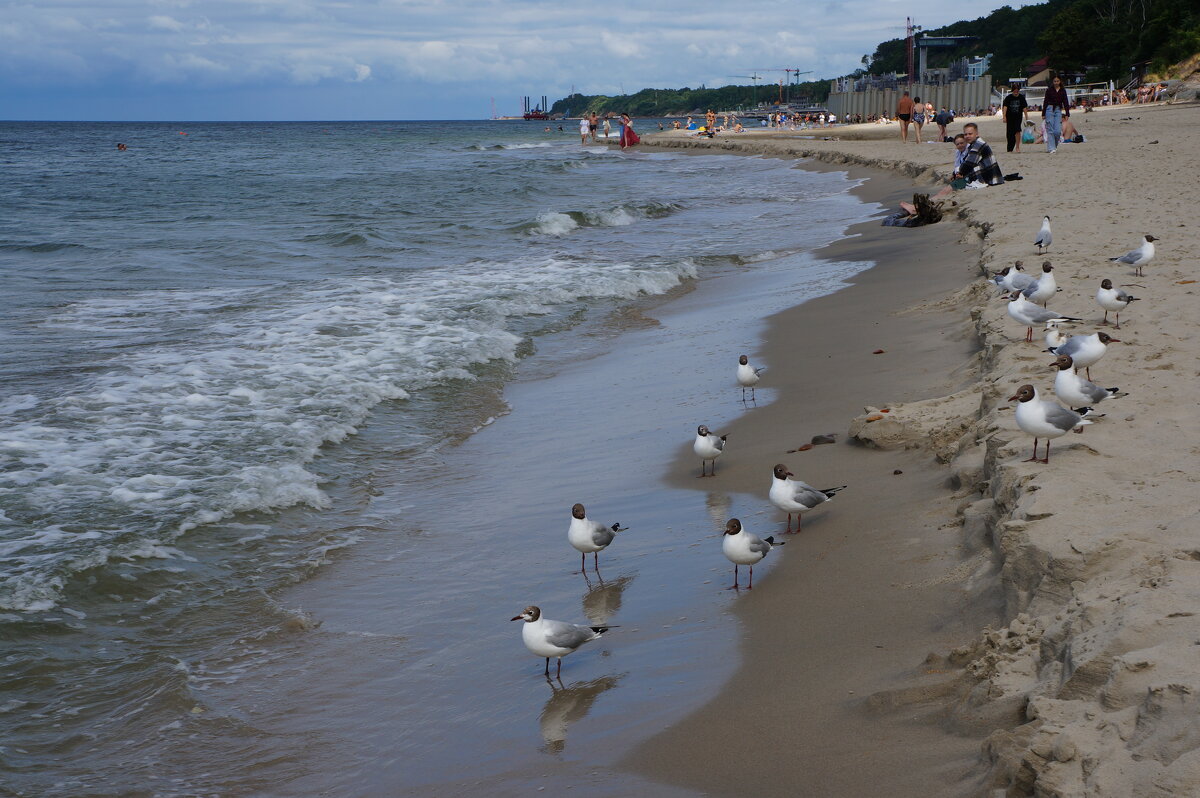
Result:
x=197 y=336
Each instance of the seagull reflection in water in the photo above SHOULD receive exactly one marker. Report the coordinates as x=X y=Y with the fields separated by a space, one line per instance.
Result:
x=567 y=705
x=603 y=599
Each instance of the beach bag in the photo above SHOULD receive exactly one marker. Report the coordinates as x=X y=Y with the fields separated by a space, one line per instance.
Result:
x=1027 y=136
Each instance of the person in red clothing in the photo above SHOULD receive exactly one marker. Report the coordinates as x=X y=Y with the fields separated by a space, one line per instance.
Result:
x=904 y=109
x=628 y=137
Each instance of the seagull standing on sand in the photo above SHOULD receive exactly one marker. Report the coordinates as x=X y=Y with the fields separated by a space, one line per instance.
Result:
x=742 y=548
x=1054 y=337
x=1044 y=236
x=795 y=496
x=1114 y=299
x=546 y=638
x=1043 y=419
x=998 y=277
x=708 y=447
x=1075 y=390
x=747 y=376
x=1044 y=287
x=1016 y=279
x=1086 y=350
x=1029 y=314
x=1137 y=258
x=589 y=536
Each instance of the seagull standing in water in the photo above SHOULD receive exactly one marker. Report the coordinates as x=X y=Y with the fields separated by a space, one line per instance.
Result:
x=795 y=496
x=1075 y=390
x=708 y=447
x=742 y=548
x=1137 y=258
x=1029 y=314
x=1043 y=419
x=590 y=536
x=1044 y=236
x=1086 y=350
x=747 y=376
x=1114 y=299
x=546 y=638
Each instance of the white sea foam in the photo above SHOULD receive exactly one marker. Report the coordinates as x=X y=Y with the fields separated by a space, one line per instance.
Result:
x=172 y=436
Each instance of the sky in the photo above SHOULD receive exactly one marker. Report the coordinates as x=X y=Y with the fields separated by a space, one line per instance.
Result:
x=269 y=60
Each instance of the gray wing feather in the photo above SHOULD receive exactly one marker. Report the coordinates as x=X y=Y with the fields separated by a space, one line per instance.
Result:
x=567 y=635
x=716 y=441
x=808 y=495
x=1061 y=417
x=1093 y=391
x=602 y=535
x=1130 y=257
x=759 y=546
x=1069 y=347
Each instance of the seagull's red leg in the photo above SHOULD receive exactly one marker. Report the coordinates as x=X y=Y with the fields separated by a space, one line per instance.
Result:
x=1034 y=458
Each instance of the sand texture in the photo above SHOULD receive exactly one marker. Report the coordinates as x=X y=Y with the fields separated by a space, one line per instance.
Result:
x=1090 y=684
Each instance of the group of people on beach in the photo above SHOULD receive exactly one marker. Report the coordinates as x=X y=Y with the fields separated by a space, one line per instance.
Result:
x=591 y=124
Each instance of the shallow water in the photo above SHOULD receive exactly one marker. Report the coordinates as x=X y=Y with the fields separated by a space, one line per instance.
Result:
x=270 y=491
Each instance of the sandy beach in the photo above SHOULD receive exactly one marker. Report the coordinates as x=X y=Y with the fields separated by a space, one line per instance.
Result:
x=1043 y=639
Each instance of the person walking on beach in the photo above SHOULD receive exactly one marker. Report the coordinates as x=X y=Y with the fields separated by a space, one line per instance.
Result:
x=918 y=116
x=710 y=119
x=593 y=124
x=628 y=137
x=1015 y=105
x=1055 y=107
x=979 y=165
x=607 y=128
x=904 y=107
x=584 y=129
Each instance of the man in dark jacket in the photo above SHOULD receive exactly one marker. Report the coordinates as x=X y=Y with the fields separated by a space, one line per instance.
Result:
x=1016 y=110
x=979 y=165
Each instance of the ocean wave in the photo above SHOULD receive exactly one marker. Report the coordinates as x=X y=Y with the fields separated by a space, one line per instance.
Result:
x=524 y=145
x=560 y=223
x=225 y=418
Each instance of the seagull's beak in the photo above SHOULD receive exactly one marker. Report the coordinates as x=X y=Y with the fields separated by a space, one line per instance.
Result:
x=1012 y=398
x=1054 y=365
x=790 y=474
x=1114 y=340
x=518 y=618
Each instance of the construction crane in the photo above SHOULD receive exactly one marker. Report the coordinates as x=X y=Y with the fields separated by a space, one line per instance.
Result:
x=788 y=72
x=753 y=76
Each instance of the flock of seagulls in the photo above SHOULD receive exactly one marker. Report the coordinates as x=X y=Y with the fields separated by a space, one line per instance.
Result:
x=556 y=639
x=1043 y=418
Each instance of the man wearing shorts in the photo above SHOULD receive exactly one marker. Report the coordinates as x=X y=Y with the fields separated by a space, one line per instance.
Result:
x=904 y=109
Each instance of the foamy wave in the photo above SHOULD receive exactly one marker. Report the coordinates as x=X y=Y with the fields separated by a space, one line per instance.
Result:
x=170 y=437
x=561 y=223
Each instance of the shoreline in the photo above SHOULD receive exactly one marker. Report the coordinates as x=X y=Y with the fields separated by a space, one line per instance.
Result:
x=1087 y=683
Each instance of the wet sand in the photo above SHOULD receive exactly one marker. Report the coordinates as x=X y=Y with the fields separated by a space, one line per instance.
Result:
x=879 y=578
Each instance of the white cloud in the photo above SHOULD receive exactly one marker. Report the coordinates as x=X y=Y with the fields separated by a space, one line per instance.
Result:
x=165 y=23
x=361 y=72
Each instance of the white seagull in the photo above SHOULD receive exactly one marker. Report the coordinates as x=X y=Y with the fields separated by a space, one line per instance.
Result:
x=1137 y=258
x=546 y=638
x=1044 y=237
x=1016 y=279
x=1075 y=390
x=795 y=496
x=1029 y=314
x=742 y=548
x=708 y=447
x=1044 y=287
x=589 y=536
x=1054 y=336
x=1086 y=350
x=1043 y=419
x=747 y=375
x=1114 y=299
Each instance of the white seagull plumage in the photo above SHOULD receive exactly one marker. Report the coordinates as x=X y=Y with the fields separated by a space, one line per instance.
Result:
x=1044 y=287
x=796 y=496
x=1044 y=237
x=588 y=536
x=708 y=446
x=1086 y=350
x=742 y=548
x=1114 y=299
x=1075 y=390
x=1022 y=310
x=546 y=638
x=1137 y=258
x=747 y=375
x=1043 y=419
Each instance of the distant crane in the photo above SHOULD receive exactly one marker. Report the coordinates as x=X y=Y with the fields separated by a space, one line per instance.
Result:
x=788 y=73
x=753 y=76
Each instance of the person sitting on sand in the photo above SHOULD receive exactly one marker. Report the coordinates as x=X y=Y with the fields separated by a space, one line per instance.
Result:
x=1071 y=134
x=690 y=125
x=979 y=165
x=956 y=181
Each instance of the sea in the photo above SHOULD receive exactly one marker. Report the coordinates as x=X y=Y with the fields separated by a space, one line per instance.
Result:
x=292 y=416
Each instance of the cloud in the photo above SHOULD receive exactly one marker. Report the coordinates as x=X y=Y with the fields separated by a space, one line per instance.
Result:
x=165 y=23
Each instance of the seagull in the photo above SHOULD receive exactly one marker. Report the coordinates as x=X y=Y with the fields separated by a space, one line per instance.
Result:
x=794 y=496
x=1086 y=350
x=1111 y=298
x=1029 y=314
x=1054 y=337
x=1016 y=279
x=747 y=376
x=1137 y=258
x=546 y=638
x=708 y=447
x=590 y=536
x=1044 y=237
x=1075 y=390
x=1044 y=287
x=742 y=548
x=998 y=277
x=1043 y=419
